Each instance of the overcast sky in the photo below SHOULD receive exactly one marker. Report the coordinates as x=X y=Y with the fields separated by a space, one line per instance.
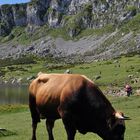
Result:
x=13 y=1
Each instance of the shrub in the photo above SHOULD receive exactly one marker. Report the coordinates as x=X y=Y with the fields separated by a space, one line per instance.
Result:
x=21 y=60
x=2 y=72
x=131 y=8
x=5 y=8
x=132 y=25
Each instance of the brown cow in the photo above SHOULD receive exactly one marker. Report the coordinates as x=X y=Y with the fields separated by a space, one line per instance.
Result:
x=78 y=101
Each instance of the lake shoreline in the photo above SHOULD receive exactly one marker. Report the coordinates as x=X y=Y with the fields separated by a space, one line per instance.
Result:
x=13 y=94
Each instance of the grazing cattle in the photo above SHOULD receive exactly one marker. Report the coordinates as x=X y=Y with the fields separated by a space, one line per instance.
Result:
x=78 y=102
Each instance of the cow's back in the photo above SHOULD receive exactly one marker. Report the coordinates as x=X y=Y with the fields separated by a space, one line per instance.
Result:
x=50 y=90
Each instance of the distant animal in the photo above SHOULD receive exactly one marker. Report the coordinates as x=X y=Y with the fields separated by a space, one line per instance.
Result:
x=78 y=102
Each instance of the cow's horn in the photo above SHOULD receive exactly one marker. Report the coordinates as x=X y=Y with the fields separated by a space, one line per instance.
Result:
x=121 y=116
x=126 y=118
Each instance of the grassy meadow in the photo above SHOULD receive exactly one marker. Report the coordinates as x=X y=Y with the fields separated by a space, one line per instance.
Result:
x=17 y=119
x=110 y=72
x=19 y=122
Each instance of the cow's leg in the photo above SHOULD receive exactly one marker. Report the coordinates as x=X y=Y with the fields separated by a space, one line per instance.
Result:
x=34 y=126
x=35 y=116
x=49 y=126
x=69 y=126
x=68 y=123
x=70 y=129
x=35 y=121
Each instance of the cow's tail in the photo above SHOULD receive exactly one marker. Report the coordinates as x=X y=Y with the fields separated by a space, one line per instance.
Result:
x=33 y=109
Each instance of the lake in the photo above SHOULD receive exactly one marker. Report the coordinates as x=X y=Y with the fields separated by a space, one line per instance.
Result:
x=10 y=94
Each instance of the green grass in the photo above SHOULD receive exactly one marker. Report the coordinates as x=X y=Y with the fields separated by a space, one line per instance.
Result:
x=114 y=71
x=110 y=71
x=99 y=32
x=19 y=122
x=16 y=119
x=5 y=109
x=19 y=35
x=131 y=108
x=132 y=25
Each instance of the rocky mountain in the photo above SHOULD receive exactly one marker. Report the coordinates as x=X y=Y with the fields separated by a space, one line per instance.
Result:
x=74 y=16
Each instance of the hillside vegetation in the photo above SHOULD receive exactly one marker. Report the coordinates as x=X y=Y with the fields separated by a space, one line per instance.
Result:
x=116 y=72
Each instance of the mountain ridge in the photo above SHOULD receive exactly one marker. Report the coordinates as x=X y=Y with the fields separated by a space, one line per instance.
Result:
x=67 y=13
x=33 y=21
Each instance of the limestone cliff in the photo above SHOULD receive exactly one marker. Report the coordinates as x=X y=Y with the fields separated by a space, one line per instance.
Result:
x=75 y=15
x=111 y=28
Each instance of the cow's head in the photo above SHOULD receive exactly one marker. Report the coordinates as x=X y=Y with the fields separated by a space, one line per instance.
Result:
x=117 y=126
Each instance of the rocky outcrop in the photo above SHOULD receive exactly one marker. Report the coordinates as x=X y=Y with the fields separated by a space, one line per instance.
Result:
x=86 y=49
x=19 y=15
x=10 y=16
x=75 y=15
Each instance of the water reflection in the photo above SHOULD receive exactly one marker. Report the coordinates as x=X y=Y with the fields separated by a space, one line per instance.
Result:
x=13 y=94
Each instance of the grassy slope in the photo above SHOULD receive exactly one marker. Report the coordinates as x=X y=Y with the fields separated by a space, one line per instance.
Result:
x=110 y=71
x=17 y=119
x=20 y=122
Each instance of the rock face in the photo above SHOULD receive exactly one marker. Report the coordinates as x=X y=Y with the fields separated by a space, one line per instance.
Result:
x=75 y=15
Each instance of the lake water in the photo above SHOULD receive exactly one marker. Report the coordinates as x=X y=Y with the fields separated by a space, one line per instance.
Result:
x=13 y=94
